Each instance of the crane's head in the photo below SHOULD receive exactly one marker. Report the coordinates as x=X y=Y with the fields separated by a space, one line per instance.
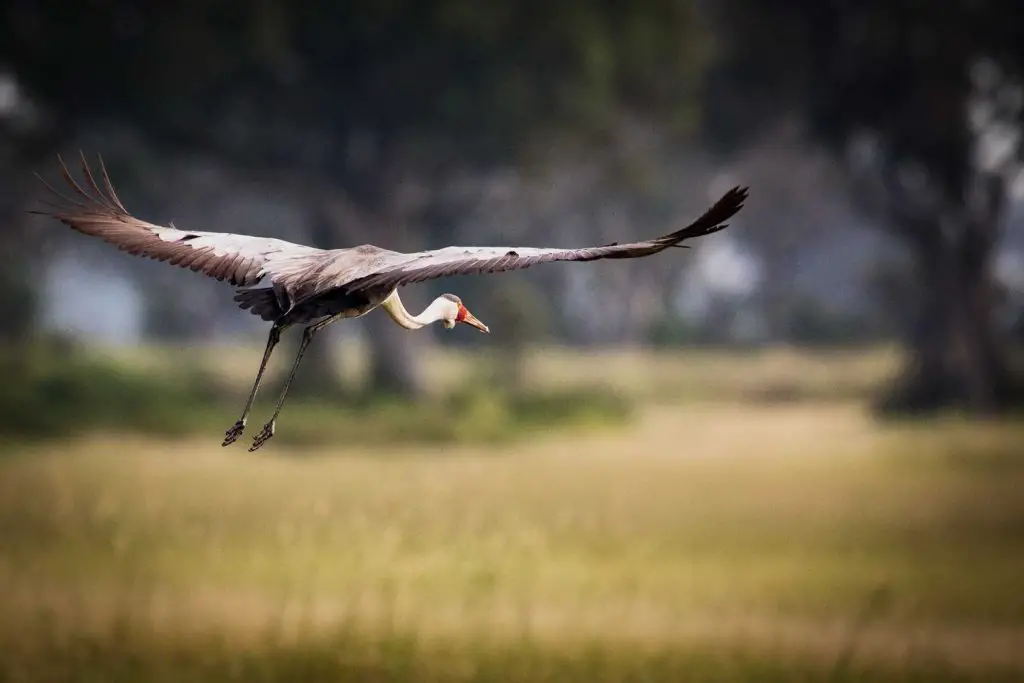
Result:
x=455 y=312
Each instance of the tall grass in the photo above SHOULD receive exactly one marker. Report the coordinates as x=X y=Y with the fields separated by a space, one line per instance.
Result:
x=706 y=542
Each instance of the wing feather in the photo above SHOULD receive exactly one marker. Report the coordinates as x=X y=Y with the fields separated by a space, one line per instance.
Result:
x=403 y=269
x=242 y=260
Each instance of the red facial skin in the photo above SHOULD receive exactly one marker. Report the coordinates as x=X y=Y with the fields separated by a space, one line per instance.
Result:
x=464 y=316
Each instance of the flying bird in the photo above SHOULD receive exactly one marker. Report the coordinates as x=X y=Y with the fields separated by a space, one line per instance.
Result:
x=291 y=284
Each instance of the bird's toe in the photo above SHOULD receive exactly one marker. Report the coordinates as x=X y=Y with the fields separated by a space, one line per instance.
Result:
x=262 y=437
x=232 y=434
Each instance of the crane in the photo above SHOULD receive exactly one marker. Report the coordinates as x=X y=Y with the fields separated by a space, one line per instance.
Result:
x=303 y=285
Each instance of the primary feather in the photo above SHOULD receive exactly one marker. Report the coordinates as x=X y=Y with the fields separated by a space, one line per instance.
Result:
x=396 y=269
x=242 y=260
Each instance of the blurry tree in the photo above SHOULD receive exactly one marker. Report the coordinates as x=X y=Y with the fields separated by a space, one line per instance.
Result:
x=379 y=102
x=924 y=99
x=791 y=208
x=522 y=313
x=17 y=294
x=25 y=137
x=176 y=304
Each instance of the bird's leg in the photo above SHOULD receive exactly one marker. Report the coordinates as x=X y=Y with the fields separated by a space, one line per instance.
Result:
x=307 y=337
x=272 y=340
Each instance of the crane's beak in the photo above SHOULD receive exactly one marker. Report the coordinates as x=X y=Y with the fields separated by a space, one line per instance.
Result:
x=471 y=319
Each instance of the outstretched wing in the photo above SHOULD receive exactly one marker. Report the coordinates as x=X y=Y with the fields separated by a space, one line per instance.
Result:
x=402 y=269
x=240 y=259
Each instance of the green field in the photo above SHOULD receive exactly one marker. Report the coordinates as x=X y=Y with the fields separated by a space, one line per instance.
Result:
x=708 y=540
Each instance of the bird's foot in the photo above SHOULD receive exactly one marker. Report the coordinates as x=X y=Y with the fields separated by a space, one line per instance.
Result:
x=232 y=434
x=263 y=436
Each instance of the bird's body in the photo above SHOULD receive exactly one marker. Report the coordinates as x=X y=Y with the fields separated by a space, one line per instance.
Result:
x=288 y=284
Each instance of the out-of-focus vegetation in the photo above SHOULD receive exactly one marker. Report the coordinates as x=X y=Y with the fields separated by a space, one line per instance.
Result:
x=50 y=390
x=58 y=391
x=662 y=375
x=710 y=541
x=928 y=131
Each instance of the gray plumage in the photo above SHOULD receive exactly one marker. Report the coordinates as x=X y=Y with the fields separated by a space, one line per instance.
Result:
x=288 y=283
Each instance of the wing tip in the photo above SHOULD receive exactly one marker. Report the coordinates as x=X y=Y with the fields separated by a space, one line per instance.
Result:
x=736 y=196
x=715 y=218
x=95 y=198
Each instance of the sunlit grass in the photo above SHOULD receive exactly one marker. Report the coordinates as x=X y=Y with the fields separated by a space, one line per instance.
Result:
x=715 y=540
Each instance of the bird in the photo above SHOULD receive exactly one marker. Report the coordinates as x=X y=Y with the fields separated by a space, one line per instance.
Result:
x=290 y=284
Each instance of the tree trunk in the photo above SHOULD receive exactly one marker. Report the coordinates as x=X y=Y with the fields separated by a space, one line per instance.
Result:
x=777 y=298
x=19 y=279
x=955 y=357
x=18 y=287
x=317 y=375
x=394 y=353
x=395 y=366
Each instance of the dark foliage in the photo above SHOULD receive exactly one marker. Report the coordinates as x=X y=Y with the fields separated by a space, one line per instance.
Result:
x=900 y=76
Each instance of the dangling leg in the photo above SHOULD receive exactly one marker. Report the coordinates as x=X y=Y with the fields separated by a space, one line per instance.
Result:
x=272 y=340
x=307 y=337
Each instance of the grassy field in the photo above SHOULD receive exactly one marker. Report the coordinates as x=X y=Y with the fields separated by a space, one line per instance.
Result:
x=711 y=540
x=758 y=375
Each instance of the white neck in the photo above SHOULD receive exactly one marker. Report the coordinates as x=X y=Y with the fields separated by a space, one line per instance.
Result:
x=431 y=314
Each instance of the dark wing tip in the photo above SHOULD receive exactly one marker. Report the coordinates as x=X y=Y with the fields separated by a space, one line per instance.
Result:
x=714 y=219
x=727 y=206
x=90 y=198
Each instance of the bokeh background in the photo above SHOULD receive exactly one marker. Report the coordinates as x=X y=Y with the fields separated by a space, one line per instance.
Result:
x=790 y=453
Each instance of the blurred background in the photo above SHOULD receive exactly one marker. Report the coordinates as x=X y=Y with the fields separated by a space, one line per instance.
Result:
x=793 y=452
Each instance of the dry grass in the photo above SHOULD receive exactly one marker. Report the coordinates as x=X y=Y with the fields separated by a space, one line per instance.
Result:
x=702 y=531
